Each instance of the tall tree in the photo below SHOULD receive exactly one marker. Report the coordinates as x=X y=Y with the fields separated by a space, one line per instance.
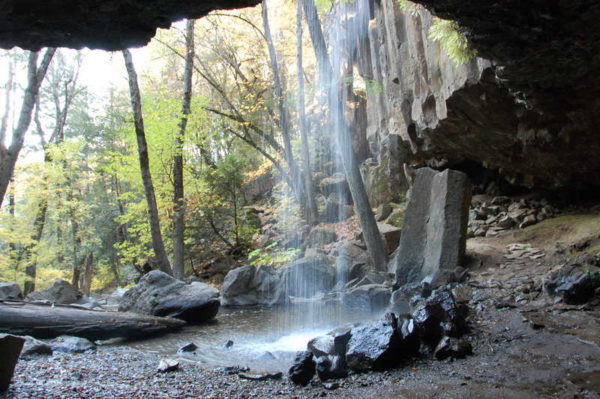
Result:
x=336 y=103
x=284 y=115
x=10 y=154
x=312 y=211
x=178 y=189
x=136 y=105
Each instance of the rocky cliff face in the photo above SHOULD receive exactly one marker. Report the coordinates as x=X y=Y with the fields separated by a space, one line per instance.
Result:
x=531 y=114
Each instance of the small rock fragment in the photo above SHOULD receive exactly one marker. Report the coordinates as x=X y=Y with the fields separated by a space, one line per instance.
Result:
x=167 y=365
x=191 y=347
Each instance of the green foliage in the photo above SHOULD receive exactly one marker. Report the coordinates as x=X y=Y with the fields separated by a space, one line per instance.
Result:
x=271 y=255
x=452 y=40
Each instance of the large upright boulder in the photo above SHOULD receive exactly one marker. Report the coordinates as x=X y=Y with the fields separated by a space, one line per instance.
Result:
x=159 y=294
x=10 y=349
x=61 y=293
x=435 y=225
x=250 y=285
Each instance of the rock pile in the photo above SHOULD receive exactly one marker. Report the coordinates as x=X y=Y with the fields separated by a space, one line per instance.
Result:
x=490 y=216
x=434 y=329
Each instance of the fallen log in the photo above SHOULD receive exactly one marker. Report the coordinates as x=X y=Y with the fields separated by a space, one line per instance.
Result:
x=49 y=322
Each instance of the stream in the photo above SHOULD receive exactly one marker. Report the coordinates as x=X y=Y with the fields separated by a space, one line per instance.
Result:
x=264 y=339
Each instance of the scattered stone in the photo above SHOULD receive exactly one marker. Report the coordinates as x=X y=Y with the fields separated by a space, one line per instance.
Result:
x=10 y=348
x=10 y=291
x=261 y=377
x=435 y=225
x=228 y=344
x=69 y=344
x=303 y=369
x=167 y=365
x=453 y=347
x=159 y=294
x=578 y=288
x=330 y=386
x=35 y=347
x=249 y=286
x=61 y=292
x=191 y=347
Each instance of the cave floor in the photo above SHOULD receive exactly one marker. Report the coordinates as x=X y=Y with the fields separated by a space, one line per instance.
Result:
x=526 y=345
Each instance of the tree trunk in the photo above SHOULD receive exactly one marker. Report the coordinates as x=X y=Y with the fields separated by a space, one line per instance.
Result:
x=88 y=274
x=136 y=105
x=178 y=189
x=31 y=268
x=9 y=156
x=284 y=116
x=336 y=103
x=312 y=211
x=49 y=322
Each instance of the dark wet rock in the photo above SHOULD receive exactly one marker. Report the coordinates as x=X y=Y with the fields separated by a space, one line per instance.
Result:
x=331 y=367
x=261 y=377
x=68 y=344
x=159 y=294
x=456 y=348
x=167 y=365
x=250 y=285
x=435 y=225
x=228 y=344
x=10 y=348
x=191 y=347
x=61 y=292
x=454 y=313
x=35 y=347
x=303 y=369
x=374 y=346
x=10 y=291
x=370 y=297
x=307 y=276
x=322 y=346
x=578 y=288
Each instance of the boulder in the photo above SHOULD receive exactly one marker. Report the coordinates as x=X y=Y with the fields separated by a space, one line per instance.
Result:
x=383 y=212
x=435 y=225
x=336 y=211
x=337 y=185
x=306 y=277
x=33 y=346
x=159 y=294
x=61 y=292
x=10 y=291
x=320 y=236
x=369 y=298
x=10 y=348
x=391 y=236
x=577 y=288
x=322 y=345
x=374 y=346
x=68 y=344
x=250 y=285
x=440 y=315
x=303 y=369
